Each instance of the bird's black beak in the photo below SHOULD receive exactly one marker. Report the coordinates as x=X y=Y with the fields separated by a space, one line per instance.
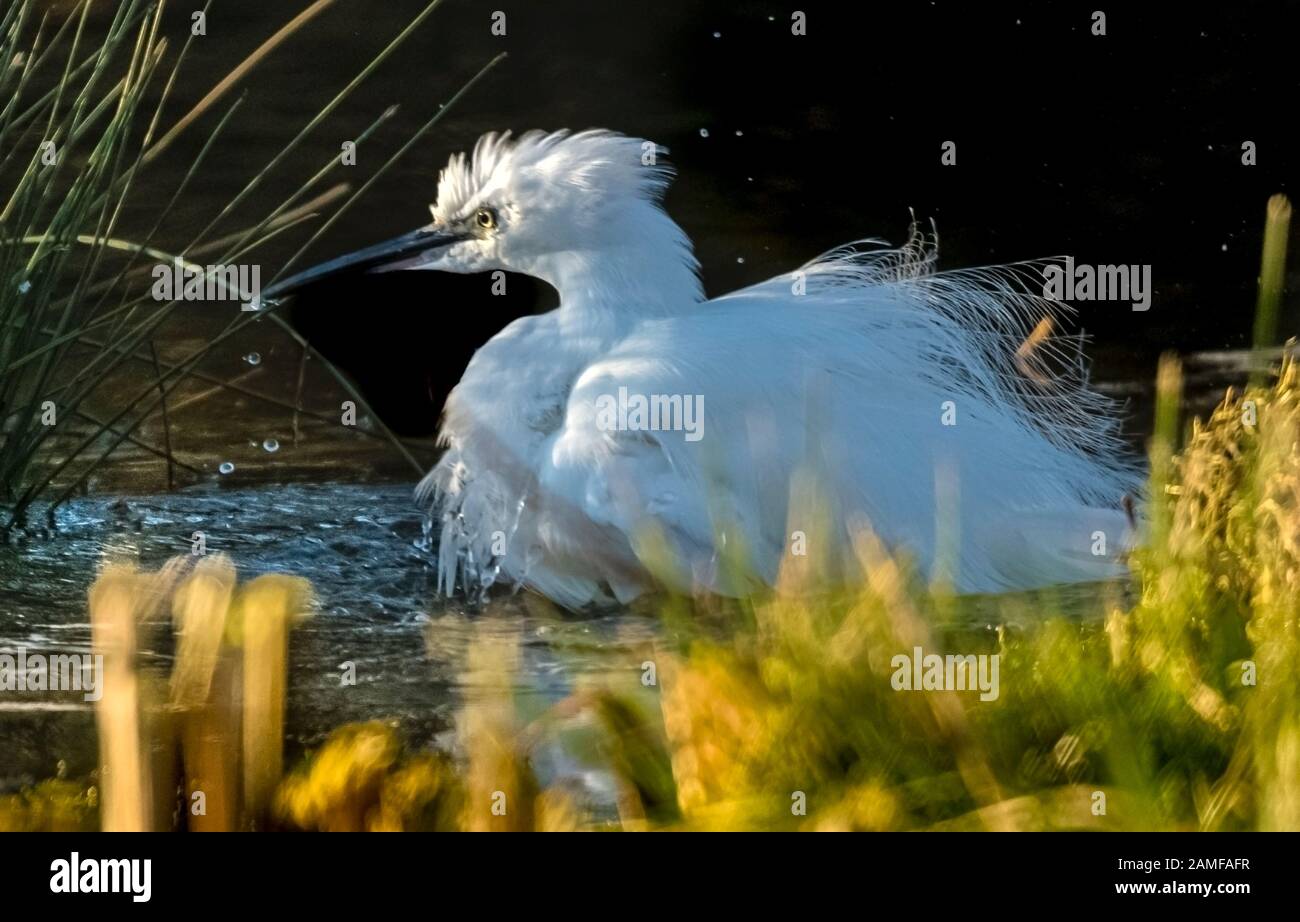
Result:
x=391 y=254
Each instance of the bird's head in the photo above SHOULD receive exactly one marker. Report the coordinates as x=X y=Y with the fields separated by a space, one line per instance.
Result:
x=540 y=204
x=514 y=203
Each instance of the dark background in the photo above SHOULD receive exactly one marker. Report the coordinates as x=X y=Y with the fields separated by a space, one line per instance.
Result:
x=1123 y=148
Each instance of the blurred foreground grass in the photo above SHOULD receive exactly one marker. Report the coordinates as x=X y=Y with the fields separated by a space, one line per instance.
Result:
x=1178 y=711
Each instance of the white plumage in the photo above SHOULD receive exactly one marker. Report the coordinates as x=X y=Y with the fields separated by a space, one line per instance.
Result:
x=865 y=371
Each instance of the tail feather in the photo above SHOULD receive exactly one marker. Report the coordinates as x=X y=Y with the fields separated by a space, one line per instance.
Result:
x=966 y=329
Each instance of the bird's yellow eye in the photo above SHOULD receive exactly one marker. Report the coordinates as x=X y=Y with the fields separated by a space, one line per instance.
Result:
x=485 y=218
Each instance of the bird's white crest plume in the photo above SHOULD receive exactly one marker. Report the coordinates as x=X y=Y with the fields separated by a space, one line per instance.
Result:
x=893 y=382
x=597 y=163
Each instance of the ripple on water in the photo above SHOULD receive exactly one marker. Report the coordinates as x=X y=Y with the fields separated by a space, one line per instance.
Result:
x=377 y=608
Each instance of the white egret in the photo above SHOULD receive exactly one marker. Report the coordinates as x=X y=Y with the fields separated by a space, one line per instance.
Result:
x=908 y=395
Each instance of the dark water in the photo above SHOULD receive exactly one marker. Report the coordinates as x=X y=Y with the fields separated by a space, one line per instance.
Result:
x=1098 y=147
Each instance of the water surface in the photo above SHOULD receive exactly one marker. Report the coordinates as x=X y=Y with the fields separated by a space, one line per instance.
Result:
x=377 y=608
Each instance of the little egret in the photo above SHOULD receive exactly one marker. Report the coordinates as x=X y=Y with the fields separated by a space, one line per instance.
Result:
x=641 y=432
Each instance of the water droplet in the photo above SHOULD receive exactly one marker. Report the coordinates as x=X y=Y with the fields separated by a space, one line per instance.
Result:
x=253 y=358
x=24 y=286
x=704 y=132
x=271 y=445
x=226 y=468
x=740 y=259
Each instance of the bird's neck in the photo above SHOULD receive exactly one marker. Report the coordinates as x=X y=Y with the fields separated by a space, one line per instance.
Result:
x=633 y=277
